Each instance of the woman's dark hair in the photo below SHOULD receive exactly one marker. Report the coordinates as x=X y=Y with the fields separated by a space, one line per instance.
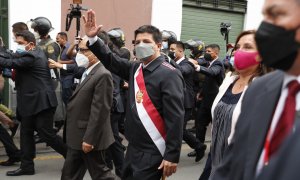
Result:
x=262 y=69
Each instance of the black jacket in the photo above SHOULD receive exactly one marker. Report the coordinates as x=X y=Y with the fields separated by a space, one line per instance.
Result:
x=35 y=91
x=187 y=70
x=165 y=89
x=214 y=75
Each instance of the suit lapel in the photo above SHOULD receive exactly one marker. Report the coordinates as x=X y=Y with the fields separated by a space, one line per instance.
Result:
x=261 y=120
x=87 y=78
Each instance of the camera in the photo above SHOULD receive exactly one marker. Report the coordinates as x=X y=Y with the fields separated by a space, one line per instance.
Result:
x=225 y=27
x=75 y=12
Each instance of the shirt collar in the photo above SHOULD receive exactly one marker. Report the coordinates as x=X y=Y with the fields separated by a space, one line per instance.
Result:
x=288 y=78
x=144 y=66
x=180 y=60
x=213 y=61
x=91 y=68
x=154 y=63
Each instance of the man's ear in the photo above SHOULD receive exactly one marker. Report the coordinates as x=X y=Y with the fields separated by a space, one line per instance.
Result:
x=159 y=45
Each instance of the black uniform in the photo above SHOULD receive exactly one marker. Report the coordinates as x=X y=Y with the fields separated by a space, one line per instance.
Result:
x=187 y=71
x=164 y=85
x=36 y=103
x=52 y=51
x=214 y=76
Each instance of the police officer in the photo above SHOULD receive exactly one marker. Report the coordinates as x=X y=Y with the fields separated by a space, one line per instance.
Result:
x=117 y=42
x=115 y=152
x=117 y=45
x=168 y=38
x=42 y=26
x=197 y=48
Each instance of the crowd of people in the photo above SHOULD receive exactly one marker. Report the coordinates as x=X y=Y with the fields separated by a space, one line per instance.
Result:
x=95 y=88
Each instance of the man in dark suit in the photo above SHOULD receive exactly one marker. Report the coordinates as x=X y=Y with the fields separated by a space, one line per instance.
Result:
x=155 y=111
x=214 y=75
x=187 y=70
x=89 y=131
x=35 y=98
x=285 y=164
x=269 y=105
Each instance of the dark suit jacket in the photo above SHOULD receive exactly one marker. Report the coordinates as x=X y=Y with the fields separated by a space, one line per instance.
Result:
x=75 y=70
x=284 y=165
x=88 y=111
x=258 y=105
x=164 y=85
x=187 y=70
x=117 y=99
x=214 y=76
x=35 y=91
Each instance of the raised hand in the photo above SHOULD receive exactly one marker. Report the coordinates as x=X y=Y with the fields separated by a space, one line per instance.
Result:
x=91 y=28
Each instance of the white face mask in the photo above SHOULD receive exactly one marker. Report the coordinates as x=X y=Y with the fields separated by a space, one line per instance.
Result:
x=21 y=48
x=82 y=60
x=36 y=35
x=165 y=45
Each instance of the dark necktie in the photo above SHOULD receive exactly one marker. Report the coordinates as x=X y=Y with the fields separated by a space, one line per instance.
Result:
x=286 y=121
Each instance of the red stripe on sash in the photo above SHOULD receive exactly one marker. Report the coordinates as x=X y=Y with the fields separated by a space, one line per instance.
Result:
x=149 y=107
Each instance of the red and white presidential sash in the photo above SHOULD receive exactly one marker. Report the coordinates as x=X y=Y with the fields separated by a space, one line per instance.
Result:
x=147 y=112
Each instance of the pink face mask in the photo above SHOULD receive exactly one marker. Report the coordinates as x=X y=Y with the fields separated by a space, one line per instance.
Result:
x=243 y=59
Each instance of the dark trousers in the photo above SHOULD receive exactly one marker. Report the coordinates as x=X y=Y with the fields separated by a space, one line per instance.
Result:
x=141 y=165
x=115 y=151
x=203 y=120
x=43 y=124
x=77 y=162
x=207 y=169
x=11 y=149
x=67 y=90
x=188 y=137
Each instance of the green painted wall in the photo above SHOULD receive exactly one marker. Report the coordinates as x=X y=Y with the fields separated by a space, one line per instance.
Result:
x=4 y=34
x=205 y=24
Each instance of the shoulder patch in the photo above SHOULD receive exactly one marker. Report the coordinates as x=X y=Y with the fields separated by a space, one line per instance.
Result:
x=168 y=65
x=50 y=49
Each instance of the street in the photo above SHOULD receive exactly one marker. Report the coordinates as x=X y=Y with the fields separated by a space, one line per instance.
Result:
x=48 y=164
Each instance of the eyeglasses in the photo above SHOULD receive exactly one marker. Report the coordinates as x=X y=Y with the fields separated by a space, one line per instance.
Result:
x=83 y=50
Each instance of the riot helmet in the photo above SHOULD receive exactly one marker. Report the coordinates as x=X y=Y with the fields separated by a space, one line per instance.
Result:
x=117 y=37
x=41 y=25
x=168 y=37
x=196 y=46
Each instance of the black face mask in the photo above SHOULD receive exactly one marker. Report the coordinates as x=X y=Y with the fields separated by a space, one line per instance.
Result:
x=208 y=57
x=276 y=46
x=171 y=55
